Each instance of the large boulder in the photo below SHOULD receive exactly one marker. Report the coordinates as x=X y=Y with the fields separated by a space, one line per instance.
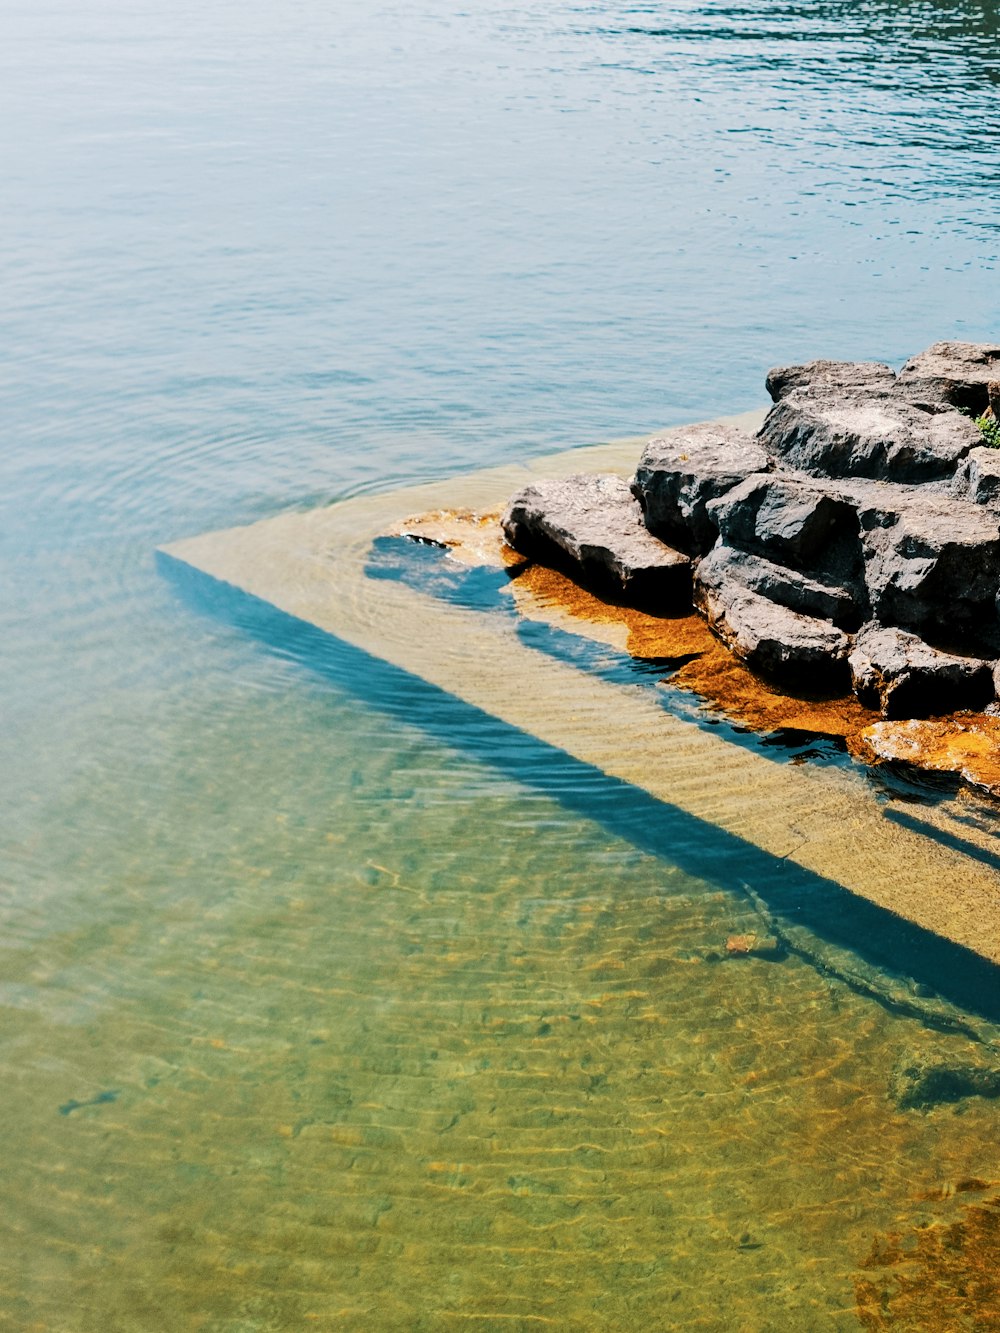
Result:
x=903 y=676
x=953 y=372
x=790 y=519
x=860 y=434
x=593 y=525
x=825 y=377
x=778 y=583
x=680 y=474
x=782 y=644
x=932 y=562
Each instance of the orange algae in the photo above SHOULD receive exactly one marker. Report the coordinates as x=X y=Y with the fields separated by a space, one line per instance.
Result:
x=470 y=537
x=706 y=667
x=967 y=745
x=942 y=1276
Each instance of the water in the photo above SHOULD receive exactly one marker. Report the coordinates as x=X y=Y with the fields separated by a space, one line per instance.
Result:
x=311 y=1020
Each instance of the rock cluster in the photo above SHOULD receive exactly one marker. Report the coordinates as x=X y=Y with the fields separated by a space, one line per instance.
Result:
x=855 y=541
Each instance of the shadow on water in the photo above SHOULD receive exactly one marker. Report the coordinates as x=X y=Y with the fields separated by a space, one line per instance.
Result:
x=789 y=892
x=426 y=568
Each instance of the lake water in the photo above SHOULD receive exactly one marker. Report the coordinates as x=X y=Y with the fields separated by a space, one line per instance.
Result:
x=311 y=1019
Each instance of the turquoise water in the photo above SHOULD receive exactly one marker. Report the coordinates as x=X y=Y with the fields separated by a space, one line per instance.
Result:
x=350 y=1028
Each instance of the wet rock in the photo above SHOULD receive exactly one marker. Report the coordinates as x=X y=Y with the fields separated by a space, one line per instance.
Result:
x=681 y=473
x=966 y=747
x=856 y=433
x=824 y=377
x=778 y=583
x=773 y=640
x=978 y=477
x=953 y=372
x=594 y=524
x=790 y=519
x=752 y=945
x=904 y=677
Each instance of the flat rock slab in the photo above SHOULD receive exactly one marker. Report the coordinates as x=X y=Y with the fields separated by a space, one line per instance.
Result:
x=826 y=377
x=953 y=372
x=594 y=522
x=858 y=433
x=679 y=475
x=905 y=678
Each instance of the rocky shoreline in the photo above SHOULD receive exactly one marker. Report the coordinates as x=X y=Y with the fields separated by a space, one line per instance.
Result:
x=852 y=544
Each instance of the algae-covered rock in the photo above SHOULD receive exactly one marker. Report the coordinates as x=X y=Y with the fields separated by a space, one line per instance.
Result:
x=920 y=1087
x=966 y=747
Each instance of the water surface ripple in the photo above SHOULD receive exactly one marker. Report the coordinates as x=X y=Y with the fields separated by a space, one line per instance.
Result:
x=310 y=1019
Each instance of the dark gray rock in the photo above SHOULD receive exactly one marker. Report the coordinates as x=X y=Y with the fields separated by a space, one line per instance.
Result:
x=791 y=520
x=932 y=562
x=857 y=434
x=787 y=587
x=681 y=473
x=594 y=525
x=904 y=677
x=978 y=477
x=825 y=377
x=953 y=372
x=784 y=645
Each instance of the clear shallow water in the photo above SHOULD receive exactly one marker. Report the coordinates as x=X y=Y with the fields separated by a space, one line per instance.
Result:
x=253 y=260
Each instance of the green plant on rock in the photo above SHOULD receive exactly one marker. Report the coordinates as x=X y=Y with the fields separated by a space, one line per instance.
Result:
x=990 y=427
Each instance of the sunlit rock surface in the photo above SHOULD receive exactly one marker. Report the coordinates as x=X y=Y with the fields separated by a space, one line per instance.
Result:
x=596 y=523
x=824 y=377
x=679 y=475
x=954 y=372
x=861 y=433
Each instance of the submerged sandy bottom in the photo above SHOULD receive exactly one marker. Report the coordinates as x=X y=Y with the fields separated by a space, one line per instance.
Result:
x=410 y=1075
x=349 y=1028
x=314 y=566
